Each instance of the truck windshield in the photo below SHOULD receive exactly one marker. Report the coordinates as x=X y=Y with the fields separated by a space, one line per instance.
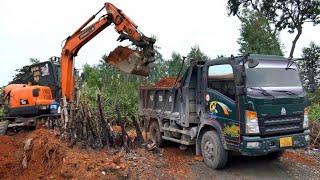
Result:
x=272 y=77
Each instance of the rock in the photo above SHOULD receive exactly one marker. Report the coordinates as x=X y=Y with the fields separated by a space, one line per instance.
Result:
x=123 y=166
x=103 y=172
x=116 y=159
x=26 y=147
x=183 y=147
x=198 y=158
x=134 y=165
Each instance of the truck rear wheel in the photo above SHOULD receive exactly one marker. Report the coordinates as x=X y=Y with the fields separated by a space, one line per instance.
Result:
x=3 y=127
x=155 y=134
x=214 y=155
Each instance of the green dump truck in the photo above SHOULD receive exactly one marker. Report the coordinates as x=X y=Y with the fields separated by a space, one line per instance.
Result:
x=252 y=104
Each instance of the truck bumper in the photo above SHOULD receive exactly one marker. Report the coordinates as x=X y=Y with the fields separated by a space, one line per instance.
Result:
x=255 y=146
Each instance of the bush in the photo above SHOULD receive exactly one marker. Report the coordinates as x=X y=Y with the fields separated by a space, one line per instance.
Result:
x=314 y=113
x=315 y=96
x=1 y=112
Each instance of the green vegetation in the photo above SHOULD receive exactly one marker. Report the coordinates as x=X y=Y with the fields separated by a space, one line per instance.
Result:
x=120 y=88
x=311 y=59
x=21 y=77
x=256 y=35
x=1 y=112
x=314 y=113
x=281 y=14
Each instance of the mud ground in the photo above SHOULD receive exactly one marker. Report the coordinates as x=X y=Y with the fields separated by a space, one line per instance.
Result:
x=51 y=158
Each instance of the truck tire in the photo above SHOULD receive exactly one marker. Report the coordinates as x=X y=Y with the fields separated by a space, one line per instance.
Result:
x=155 y=134
x=3 y=127
x=274 y=155
x=214 y=155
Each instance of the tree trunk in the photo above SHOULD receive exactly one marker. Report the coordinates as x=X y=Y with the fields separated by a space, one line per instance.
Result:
x=105 y=129
x=138 y=129
x=294 y=42
x=125 y=143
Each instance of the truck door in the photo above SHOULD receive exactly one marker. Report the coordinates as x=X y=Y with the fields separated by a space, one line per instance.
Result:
x=220 y=97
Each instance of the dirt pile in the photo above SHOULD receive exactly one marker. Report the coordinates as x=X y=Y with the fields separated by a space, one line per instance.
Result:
x=301 y=158
x=119 y=54
x=129 y=61
x=167 y=82
x=10 y=153
x=49 y=157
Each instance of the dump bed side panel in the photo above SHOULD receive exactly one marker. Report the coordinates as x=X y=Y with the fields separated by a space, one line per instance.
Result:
x=159 y=102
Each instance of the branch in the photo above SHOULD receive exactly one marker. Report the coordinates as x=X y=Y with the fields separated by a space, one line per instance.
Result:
x=255 y=7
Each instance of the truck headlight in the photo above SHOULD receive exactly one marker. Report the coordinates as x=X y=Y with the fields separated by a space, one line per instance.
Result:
x=252 y=125
x=305 y=118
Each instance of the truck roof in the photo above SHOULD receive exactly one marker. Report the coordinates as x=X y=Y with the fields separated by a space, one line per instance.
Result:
x=256 y=57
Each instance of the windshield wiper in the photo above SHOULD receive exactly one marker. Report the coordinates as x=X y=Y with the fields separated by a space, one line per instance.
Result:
x=286 y=92
x=262 y=91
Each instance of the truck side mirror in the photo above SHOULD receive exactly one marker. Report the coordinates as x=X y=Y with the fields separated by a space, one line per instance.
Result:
x=35 y=92
x=253 y=63
x=239 y=75
x=311 y=79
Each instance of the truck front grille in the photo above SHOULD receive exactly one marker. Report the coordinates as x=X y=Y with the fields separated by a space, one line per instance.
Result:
x=280 y=125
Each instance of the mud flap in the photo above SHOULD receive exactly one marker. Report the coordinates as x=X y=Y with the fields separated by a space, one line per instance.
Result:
x=129 y=61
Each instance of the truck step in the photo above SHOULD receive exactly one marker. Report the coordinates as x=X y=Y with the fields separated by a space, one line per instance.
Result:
x=177 y=140
x=175 y=130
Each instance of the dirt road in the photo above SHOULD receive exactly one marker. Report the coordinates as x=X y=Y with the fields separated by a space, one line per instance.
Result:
x=256 y=168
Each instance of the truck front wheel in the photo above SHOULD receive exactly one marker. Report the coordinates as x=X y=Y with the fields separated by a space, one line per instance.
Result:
x=214 y=155
x=155 y=134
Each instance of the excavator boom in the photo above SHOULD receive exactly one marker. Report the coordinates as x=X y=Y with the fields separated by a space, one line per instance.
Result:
x=125 y=59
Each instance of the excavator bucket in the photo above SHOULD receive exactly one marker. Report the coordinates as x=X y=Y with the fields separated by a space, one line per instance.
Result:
x=129 y=61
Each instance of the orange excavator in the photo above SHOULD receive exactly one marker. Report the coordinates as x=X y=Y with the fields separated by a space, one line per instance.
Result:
x=125 y=59
x=40 y=95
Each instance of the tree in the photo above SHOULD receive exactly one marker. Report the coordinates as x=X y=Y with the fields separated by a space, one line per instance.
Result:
x=256 y=35
x=282 y=14
x=196 y=54
x=22 y=75
x=311 y=59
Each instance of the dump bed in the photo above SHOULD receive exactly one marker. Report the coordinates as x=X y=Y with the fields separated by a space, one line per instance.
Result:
x=180 y=103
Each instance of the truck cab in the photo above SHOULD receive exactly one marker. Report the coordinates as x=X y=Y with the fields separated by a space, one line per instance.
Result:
x=253 y=104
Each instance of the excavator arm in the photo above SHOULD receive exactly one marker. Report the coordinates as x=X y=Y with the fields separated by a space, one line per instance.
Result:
x=128 y=30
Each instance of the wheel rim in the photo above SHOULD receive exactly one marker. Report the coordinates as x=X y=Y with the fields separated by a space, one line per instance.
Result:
x=209 y=150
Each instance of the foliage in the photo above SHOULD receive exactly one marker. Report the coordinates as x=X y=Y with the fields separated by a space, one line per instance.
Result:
x=314 y=113
x=1 y=112
x=311 y=59
x=196 y=54
x=282 y=14
x=256 y=35
x=122 y=89
x=22 y=75
x=116 y=87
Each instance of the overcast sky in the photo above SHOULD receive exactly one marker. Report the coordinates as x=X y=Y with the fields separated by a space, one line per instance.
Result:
x=36 y=28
